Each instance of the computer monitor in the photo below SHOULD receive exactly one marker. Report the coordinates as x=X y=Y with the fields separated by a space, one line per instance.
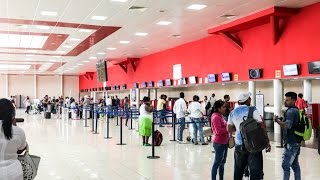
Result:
x=291 y=70
x=225 y=76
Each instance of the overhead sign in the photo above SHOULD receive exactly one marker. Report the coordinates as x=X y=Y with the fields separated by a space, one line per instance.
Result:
x=177 y=71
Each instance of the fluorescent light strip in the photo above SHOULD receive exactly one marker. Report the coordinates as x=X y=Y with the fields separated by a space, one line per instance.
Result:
x=14 y=67
x=99 y=18
x=49 y=13
x=22 y=41
x=85 y=30
x=111 y=48
x=101 y=53
x=196 y=6
x=141 y=34
x=67 y=46
x=124 y=42
x=93 y=57
x=74 y=39
x=164 y=23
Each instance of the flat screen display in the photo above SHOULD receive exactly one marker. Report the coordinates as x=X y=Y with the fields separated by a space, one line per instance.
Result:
x=135 y=85
x=314 y=67
x=290 y=70
x=225 y=76
x=124 y=86
x=255 y=73
x=168 y=82
x=101 y=68
x=150 y=84
x=160 y=83
x=193 y=80
x=144 y=84
x=212 y=78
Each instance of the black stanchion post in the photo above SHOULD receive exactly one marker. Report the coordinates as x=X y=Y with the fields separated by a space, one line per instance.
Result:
x=174 y=128
x=92 y=122
x=107 y=127
x=96 y=120
x=281 y=138
x=131 y=120
x=153 y=150
x=117 y=118
x=85 y=117
x=121 y=133
x=172 y=118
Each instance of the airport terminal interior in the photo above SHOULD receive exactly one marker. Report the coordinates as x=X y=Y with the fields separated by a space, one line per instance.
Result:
x=88 y=79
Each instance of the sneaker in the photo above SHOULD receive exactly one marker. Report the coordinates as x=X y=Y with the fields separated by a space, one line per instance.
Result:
x=195 y=143
x=147 y=144
x=179 y=141
x=204 y=144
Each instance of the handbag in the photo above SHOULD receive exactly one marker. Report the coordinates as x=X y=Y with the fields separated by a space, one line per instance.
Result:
x=231 y=142
x=30 y=164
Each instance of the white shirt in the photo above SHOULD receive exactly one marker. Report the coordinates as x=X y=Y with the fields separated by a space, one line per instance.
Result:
x=180 y=108
x=143 y=111
x=212 y=101
x=10 y=167
x=108 y=101
x=236 y=118
x=195 y=110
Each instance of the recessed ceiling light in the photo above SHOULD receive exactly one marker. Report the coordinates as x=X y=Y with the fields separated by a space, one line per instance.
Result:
x=85 y=30
x=85 y=61
x=141 y=34
x=80 y=64
x=74 y=39
x=164 y=23
x=119 y=0
x=101 y=53
x=99 y=18
x=111 y=48
x=67 y=46
x=124 y=42
x=43 y=27
x=197 y=6
x=49 y=13
x=92 y=57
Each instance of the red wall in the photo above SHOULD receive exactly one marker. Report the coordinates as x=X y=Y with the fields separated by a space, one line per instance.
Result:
x=214 y=54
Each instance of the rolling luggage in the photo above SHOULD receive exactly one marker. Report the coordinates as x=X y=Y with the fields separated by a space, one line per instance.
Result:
x=47 y=115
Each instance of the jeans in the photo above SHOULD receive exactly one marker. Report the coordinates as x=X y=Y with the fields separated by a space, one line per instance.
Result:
x=243 y=158
x=181 y=128
x=291 y=159
x=197 y=125
x=221 y=151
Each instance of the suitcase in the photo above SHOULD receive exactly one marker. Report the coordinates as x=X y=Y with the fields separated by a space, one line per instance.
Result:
x=19 y=119
x=47 y=115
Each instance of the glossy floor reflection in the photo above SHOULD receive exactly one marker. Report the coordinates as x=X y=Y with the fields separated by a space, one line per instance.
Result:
x=70 y=151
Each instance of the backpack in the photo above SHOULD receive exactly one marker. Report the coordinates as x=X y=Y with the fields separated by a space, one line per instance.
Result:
x=254 y=137
x=157 y=138
x=303 y=127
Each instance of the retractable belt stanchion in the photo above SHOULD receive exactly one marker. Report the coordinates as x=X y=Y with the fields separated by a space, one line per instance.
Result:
x=92 y=121
x=153 y=150
x=174 y=128
x=95 y=115
x=107 y=125
x=116 y=115
x=281 y=136
x=85 y=117
x=131 y=120
x=121 y=133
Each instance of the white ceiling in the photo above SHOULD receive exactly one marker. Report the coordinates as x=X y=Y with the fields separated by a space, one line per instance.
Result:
x=190 y=24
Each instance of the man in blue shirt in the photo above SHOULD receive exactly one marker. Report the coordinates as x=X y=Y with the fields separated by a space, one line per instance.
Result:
x=291 y=140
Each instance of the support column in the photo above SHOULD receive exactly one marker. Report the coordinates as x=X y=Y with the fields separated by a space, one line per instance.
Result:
x=155 y=92
x=138 y=98
x=61 y=86
x=148 y=93
x=278 y=102
x=252 y=89
x=94 y=97
x=7 y=86
x=307 y=90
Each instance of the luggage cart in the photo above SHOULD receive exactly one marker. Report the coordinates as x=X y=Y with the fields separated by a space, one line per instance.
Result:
x=207 y=132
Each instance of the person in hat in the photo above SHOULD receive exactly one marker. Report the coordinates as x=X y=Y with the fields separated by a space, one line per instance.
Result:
x=242 y=157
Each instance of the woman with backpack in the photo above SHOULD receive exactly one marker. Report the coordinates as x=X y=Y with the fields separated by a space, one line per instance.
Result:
x=220 y=138
x=145 y=121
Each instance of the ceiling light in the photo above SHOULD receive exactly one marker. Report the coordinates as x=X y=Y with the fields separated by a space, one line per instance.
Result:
x=85 y=61
x=119 y=0
x=197 y=6
x=99 y=18
x=14 y=67
x=74 y=39
x=43 y=27
x=92 y=57
x=80 y=64
x=22 y=41
x=111 y=48
x=124 y=42
x=22 y=26
x=85 y=30
x=49 y=13
x=164 y=23
x=101 y=53
x=140 y=34
x=67 y=46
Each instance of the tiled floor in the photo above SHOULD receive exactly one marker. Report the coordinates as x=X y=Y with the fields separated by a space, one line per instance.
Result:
x=70 y=151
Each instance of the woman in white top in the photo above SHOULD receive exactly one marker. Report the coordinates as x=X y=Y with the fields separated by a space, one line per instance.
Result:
x=196 y=117
x=27 y=103
x=145 y=121
x=12 y=143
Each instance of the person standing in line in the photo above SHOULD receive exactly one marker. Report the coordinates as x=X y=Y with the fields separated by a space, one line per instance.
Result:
x=126 y=108
x=196 y=117
x=145 y=121
x=242 y=156
x=292 y=141
x=180 y=109
x=228 y=106
x=12 y=143
x=27 y=103
x=220 y=139
x=300 y=103
x=160 y=104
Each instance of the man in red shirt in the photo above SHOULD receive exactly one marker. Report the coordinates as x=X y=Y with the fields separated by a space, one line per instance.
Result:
x=301 y=104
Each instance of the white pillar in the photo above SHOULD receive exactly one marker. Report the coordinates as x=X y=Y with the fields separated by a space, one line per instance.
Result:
x=138 y=98
x=7 y=86
x=278 y=102
x=148 y=93
x=61 y=85
x=94 y=97
x=155 y=94
x=307 y=90
x=252 y=89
